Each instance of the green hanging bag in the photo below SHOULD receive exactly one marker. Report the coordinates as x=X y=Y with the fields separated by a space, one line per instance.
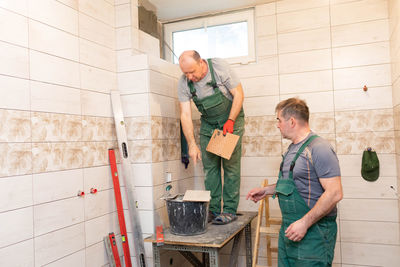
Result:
x=370 y=165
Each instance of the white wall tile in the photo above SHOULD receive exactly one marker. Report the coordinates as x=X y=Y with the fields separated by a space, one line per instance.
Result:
x=357 y=77
x=58 y=244
x=123 y=38
x=96 y=31
x=99 y=204
x=18 y=33
x=136 y=105
x=123 y=15
x=163 y=106
x=55 y=14
x=293 y=5
x=19 y=226
x=71 y=3
x=75 y=259
x=355 y=187
x=315 y=81
x=357 y=11
x=96 y=254
x=149 y=44
x=14 y=60
x=357 y=99
x=55 y=215
x=98 y=9
x=15 y=192
x=53 y=186
x=358 y=55
x=97 y=228
x=126 y=61
x=267 y=66
x=265 y=9
x=265 y=25
x=20 y=7
x=396 y=93
x=260 y=166
x=98 y=80
x=304 y=40
x=317 y=102
x=12 y=256
x=305 y=61
x=266 y=46
x=303 y=20
x=96 y=55
x=366 y=232
x=55 y=98
x=383 y=210
x=14 y=93
x=97 y=177
x=142 y=173
x=370 y=254
x=53 y=69
x=96 y=104
x=53 y=41
x=162 y=84
x=260 y=86
x=359 y=33
x=133 y=81
x=260 y=106
x=387 y=165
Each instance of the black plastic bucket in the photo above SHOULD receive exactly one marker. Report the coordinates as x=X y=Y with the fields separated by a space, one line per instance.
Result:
x=187 y=217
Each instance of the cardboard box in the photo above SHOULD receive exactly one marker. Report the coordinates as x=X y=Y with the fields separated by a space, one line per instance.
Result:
x=221 y=145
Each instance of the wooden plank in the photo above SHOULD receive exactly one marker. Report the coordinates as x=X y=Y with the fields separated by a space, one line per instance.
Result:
x=197 y=196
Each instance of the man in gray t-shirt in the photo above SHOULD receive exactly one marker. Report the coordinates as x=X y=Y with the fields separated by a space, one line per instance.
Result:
x=308 y=189
x=218 y=95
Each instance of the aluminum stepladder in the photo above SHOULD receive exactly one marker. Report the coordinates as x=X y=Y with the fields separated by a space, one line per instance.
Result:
x=128 y=177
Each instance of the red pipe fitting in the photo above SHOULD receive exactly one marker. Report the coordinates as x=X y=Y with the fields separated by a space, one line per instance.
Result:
x=93 y=190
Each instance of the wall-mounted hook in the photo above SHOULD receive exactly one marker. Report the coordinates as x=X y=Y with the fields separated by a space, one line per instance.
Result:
x=81 y=193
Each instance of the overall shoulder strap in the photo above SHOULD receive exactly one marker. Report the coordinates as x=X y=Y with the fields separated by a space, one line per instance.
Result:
x=301 y=149
x=192 y=90
x=213 y=83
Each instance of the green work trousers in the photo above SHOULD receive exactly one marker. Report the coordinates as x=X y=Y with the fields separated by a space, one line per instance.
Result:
x=230 y=191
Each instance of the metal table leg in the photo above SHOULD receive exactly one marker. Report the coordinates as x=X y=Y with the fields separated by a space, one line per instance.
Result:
x=214 y=257
x=249 y=250
x=233 y=261
x=156 y=255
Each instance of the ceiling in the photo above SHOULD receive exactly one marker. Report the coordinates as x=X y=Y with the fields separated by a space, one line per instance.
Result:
x=169 y=10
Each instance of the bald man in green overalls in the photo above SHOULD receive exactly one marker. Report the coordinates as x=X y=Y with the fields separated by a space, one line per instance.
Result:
x=218 y=95
x=308 y=189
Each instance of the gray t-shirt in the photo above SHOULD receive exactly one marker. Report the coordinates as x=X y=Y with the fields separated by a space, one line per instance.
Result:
x=317 y=161
x=225 y=78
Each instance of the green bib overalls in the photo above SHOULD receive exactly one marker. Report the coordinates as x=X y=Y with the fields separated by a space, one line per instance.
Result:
x=215 y=111
x=317 y=246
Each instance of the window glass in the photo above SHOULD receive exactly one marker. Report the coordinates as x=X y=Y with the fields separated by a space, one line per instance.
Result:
x=223 y=41
x=229 y=36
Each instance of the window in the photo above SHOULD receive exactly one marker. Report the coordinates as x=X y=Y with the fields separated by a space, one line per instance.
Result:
x=229 y=36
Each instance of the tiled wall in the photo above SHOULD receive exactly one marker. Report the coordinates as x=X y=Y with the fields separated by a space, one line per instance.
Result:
x=61 y=58
x=325 y=52
x=394 y=23
x=58 y=64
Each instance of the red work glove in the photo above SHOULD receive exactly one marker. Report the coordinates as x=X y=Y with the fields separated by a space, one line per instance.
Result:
x=228 y=126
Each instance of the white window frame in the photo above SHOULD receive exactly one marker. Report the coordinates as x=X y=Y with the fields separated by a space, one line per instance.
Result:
x=214 y=20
